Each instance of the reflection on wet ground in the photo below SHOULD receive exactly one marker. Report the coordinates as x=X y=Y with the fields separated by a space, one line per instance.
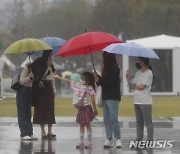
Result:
x=67 y=137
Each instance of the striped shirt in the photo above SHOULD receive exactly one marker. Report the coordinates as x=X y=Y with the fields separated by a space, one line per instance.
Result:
x=79 y=90
x=143 y=96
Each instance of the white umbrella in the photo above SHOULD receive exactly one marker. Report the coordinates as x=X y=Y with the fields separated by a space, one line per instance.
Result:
x=131 y=49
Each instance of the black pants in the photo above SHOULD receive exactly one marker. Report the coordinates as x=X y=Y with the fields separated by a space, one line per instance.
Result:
x=23 y=101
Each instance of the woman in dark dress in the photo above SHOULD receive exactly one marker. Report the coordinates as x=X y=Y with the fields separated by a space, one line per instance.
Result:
x=43 y=94
x=110 y=83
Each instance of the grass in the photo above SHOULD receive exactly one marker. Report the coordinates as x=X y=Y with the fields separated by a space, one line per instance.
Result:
x=162 y=107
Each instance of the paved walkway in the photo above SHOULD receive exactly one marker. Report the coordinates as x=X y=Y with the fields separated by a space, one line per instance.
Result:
x=67 y=137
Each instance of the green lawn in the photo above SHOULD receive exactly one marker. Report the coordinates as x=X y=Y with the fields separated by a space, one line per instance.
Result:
x=162 y=106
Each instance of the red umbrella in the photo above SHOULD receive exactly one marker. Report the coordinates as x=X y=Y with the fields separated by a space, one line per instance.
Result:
x=87 y=43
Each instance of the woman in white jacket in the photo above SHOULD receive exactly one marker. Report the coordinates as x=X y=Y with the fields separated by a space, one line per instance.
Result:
x=23 y=101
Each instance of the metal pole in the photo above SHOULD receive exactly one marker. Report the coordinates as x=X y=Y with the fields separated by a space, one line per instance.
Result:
x=92 y=59
x=91 y=54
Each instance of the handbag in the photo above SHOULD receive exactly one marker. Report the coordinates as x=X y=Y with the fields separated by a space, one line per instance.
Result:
x=98 y=97
x=15 y=85
x=80 y=104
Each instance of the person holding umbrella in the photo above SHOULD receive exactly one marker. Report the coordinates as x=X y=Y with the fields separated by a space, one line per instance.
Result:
x=23 y=101
x=141 y=84
x=110 y=83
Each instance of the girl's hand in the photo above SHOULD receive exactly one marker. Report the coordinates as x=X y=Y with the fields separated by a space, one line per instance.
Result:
x=56 y=76
x=95 y=113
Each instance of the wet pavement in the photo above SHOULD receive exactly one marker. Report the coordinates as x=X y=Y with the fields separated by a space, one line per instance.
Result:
x=67 y=137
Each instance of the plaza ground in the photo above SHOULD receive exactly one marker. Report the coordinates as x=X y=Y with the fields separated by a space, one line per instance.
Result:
x=163 y=106
x=67 y=132
x=166 y=120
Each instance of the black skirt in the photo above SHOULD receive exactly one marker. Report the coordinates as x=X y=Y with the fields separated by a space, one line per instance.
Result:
x=44 y=110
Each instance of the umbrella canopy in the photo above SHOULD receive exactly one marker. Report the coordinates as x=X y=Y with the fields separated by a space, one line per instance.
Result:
x=54 y=42
x=86 y=43
x=27 y=45
x=75 y=77
x=131 y=49
x=66 y=73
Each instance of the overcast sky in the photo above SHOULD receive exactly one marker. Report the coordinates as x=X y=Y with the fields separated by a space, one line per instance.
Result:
x=3 y=3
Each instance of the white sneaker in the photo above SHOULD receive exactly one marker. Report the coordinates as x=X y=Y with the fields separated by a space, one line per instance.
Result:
x=26 y=138
x=33 y=137
x=88 y=145
x=80 y=145
x=118 y=144
x=108 y=144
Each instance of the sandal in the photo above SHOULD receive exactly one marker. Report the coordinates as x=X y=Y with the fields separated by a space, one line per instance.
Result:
x=51 y=136
x=44 y=136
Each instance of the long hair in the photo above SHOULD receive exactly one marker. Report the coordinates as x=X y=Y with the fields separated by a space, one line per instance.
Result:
x=146 y=62
x=109 y=61
x=89 y=79
x=39 y=66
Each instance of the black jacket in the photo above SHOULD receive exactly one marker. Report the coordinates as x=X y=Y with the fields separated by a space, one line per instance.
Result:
x=111 y=85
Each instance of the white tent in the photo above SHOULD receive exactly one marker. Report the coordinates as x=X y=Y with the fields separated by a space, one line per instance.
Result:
x=159 y=42
x=58 y=67
x=1 y=76
x=5 y=82
x=26 y=62
x=166 y=69
x=8 y=62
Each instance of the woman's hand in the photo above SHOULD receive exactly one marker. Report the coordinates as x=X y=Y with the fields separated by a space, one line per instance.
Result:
x=127 y=75
x=31 y=75
x=96 y=76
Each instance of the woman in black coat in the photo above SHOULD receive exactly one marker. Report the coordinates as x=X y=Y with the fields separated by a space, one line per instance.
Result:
x=110 y=83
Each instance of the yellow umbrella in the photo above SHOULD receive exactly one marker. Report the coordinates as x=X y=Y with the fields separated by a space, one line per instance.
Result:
x=27 y=45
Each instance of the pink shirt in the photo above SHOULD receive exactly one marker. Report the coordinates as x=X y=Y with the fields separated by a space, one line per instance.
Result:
x=79 y=90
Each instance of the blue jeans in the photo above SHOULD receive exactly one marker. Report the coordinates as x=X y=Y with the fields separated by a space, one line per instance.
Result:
x=23 y=101
x=110 y=110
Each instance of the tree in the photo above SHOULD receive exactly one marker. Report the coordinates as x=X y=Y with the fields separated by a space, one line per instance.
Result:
x=151 y=17
x=110 y=16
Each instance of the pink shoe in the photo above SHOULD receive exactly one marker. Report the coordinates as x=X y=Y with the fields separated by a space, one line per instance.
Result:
x=88 y=145
x=80 y=145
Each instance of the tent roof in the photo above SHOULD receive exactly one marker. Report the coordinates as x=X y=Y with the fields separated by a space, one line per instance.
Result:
x=26 y=62
x=8 y=62
x=159 y=42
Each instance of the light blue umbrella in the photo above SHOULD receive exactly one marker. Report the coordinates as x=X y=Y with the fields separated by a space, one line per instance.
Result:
x=54 y=42
x=131 y=49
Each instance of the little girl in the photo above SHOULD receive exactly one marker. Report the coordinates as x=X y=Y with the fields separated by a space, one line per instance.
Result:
x=82 y=91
